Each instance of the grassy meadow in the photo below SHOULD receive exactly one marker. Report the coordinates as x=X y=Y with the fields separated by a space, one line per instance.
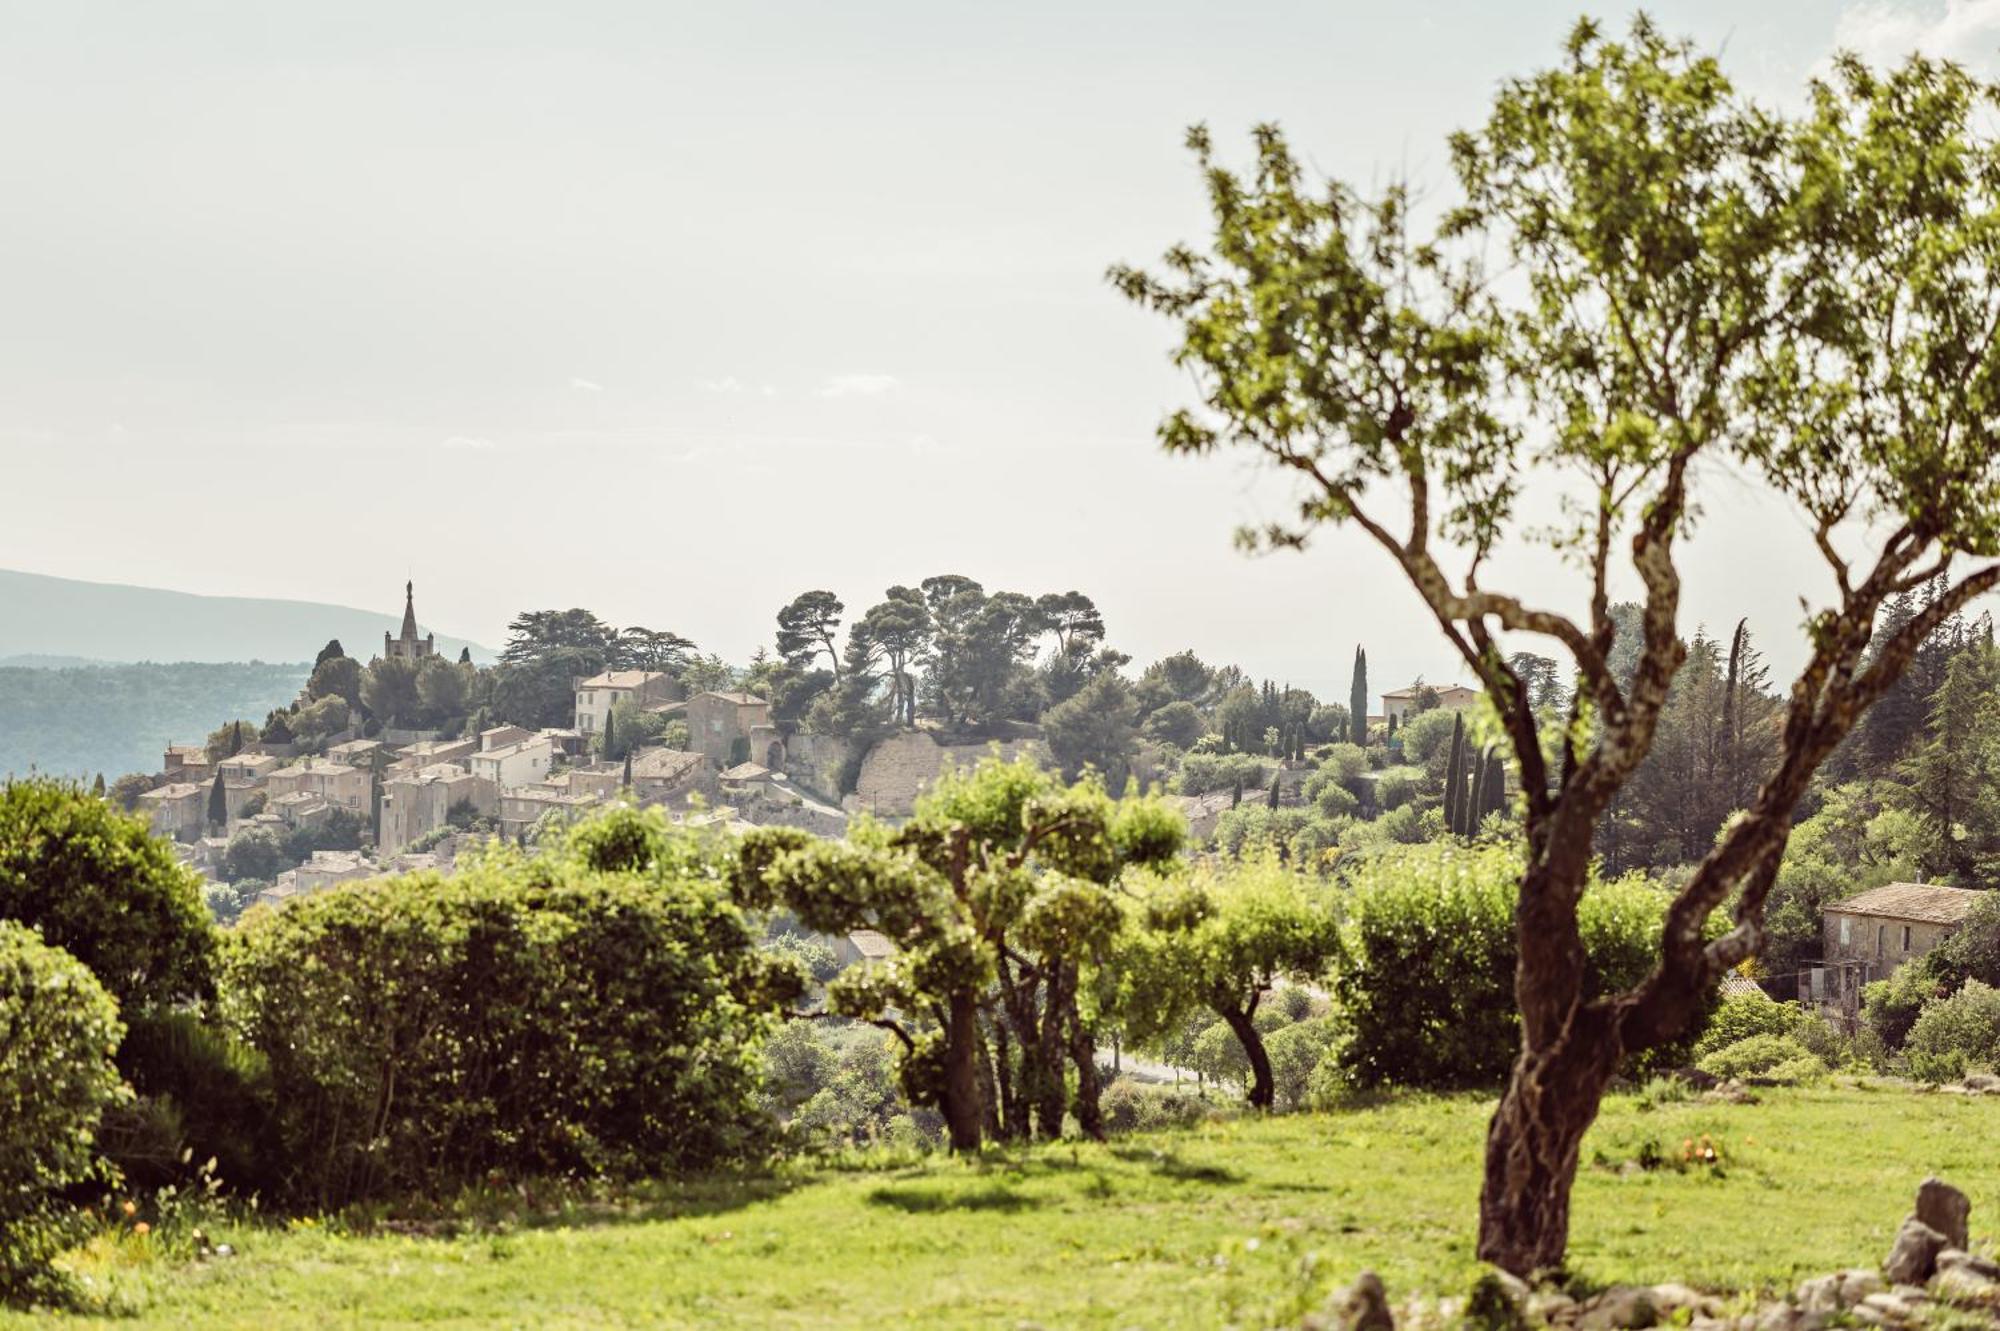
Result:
x=1238 y=1222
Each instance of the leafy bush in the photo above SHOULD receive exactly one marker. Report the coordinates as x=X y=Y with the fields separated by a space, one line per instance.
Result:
x=1937 y=1069
x=1740 y=1016
x=1203 y=772
x=1425 y=983
x=202 y=1095
x=1295 y=1050
x=1890 y=1007
x=545 y=1015
x=1965 y=1023
x=98 y=885
x=1136 y=1106
x=1395 y=787
x=1779 y=1057
x=56 y=1080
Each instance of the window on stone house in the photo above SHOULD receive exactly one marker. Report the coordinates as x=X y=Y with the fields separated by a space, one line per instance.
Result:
x=1846 y=931
x=1906 y=938
x=1881 y=939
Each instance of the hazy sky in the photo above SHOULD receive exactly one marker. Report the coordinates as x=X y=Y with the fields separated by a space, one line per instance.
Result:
x=674 y=310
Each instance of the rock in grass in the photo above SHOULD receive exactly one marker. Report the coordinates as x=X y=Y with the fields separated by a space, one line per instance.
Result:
x=1946 y=1210
x=1364 y=1306
x=1622 y=1308
x=1913 y=1258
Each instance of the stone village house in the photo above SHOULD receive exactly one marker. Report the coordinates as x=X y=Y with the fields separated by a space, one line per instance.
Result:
x=1870 y=935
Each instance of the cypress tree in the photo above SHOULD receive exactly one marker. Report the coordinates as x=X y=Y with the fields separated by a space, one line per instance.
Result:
x=1357 y=699
x=628 y=769
x=1236 y=796
x=218 y=803
x=610 y=736
x=465 y=656
x=1496 y=784
x=97 y=786
x=1271 y=797
x=235 y=739
x=1475 y=795
x=1454 y=776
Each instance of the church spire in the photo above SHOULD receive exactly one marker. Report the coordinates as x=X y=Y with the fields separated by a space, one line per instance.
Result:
x=409 y=612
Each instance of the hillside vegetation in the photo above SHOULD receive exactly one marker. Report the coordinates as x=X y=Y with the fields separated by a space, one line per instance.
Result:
x=118 y=718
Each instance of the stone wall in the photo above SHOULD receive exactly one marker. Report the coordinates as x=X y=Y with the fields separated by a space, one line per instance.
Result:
x=815 y=763
x=903 y=766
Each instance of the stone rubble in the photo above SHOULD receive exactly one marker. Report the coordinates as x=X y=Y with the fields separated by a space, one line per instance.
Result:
x=1929 y=1279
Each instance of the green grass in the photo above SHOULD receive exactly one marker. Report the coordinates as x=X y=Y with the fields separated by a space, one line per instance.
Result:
x=1239 y=1222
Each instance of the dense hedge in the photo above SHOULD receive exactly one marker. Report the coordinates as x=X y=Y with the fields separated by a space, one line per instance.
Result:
x=98 y=885
x=56 y=1079
x=1425 y=982
x=526 y=1015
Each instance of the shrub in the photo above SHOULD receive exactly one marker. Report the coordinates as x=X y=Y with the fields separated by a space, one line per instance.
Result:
x=1395 y=788
x=98 y=885
x=1425 y=981
x=1761 y=1055
x=202 y=1095
x=1890 y=1007
x=1294 y=1052
x=1740 y=1016
x=1136 y=1106
x=1203 y=772
x=1937 y=1069
x=1965 y=1023
x=527 y=1015
x=56 y=1080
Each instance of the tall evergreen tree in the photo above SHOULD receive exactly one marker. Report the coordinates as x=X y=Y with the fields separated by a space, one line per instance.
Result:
x=328 y=652
x=1454 y=776
x=235 y=739
x=97 y=786
x=1271 y=796
x=1357 y=699
x=465 y=656
x=610 y=735
x=627 y=782
x=218 y=803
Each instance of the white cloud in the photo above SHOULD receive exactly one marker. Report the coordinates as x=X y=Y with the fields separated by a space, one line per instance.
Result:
x=858 y=385
x=586 y=385
x=1885 y=31
x=728 y=383
x=468 y=441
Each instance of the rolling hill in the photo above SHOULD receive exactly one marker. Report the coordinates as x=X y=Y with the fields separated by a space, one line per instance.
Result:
x=42 y=616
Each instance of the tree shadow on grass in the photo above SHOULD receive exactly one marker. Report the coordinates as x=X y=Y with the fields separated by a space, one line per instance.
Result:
x=924 y=1201
x=1170 y=1166
x=566 y=1204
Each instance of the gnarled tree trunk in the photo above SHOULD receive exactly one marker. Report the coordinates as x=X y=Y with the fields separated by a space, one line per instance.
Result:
x=1263 y=1089
x=959 y=1097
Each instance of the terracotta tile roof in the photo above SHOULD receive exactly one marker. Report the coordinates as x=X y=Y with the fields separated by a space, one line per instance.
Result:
x=1740 y=986
x=740 y=699
x=1926 y=903
x=663 y=764
x=621 y=679
x=871 y=944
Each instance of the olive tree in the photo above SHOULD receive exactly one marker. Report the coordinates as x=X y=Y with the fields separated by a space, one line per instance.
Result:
x=1644 y=282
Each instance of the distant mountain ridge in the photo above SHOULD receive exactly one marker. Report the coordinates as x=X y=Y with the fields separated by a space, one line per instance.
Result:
x=49 y=617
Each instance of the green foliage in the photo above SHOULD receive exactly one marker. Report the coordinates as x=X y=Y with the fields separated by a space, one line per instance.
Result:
x=1778 y=1057
x=1740 y=1016
x=1094 y=729
x=1425 y=981
x=1890 y=1007
x=1136 y=1106
x=1203 y=772
x=98 y=885
x=214 y=1093
x=111 y=718
x=1965 y=1023
x=1178 y=723
x=56 y=1080
x=596 y=1008
x=1218 y=938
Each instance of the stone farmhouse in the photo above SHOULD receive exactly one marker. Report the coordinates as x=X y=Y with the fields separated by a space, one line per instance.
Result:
x=344 y=787
x=415 y=804
x=177 y=810
x=522 y=762
x=1871 y=934
x=732 y=728
x=596 y=696
x=1398 y=704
